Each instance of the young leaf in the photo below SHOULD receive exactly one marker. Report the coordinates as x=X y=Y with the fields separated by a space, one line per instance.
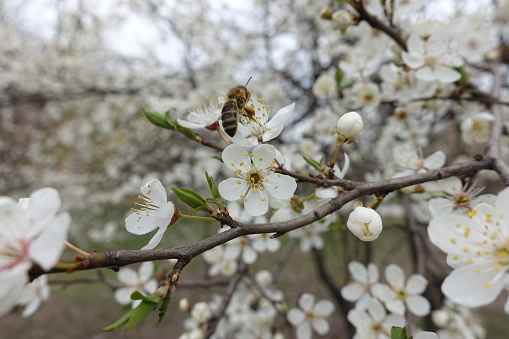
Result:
x=212 y=185
x=186 y=131
x=140 y=312
x=151 y=298
x=399 y=333
x=315 y=164
x=164 y=305
x=199 y=209
x=157 y=119
x=119 y=323
x=190 y=197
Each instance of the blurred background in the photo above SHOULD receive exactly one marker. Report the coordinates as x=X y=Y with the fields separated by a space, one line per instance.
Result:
x=75 y=76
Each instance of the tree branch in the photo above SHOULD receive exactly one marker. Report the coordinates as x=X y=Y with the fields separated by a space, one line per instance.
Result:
x=117 y=259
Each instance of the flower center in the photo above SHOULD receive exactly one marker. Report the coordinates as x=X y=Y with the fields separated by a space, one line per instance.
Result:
x=254 y=179
x=430 y=61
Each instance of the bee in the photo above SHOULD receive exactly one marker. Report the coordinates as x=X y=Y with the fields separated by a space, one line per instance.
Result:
x=235 y=107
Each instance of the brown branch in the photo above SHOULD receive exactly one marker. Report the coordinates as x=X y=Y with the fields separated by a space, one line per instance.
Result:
x=117 y=259
x=374 y=22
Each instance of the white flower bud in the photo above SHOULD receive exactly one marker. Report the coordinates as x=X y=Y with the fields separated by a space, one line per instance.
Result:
x=440 y=318
x=184 y=305
x=365 y=223
x=342 y=20
x=349 y=125
x=263 y=278
x=201 y=312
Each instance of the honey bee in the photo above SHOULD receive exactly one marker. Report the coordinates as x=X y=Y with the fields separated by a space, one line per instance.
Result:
x=235 y=107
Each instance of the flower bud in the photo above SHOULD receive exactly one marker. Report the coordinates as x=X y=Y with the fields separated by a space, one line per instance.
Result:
x=349 y=125
x=184 y=305
x=365 y=223
x=341 y=20
x=440 y=318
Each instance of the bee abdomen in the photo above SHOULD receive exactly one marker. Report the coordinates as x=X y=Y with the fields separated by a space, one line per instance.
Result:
x=229 y=116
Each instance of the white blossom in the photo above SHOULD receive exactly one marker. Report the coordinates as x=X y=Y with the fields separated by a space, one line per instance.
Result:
x=254 y=182
x=155 y=212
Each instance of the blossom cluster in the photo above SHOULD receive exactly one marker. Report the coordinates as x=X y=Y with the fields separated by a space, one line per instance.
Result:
x=32 y=232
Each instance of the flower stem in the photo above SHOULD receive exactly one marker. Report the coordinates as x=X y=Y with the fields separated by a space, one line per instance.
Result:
x=218 y=129
x=311 y=196
x=185 y=216
x=66 y=266
x=333 y=161
x=76 y=249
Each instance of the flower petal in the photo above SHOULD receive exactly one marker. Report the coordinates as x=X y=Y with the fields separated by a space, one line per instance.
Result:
x=154 y=190
x=256 y=203
x=295 y=316
x=418 y=305
x=323 y=308
x=263 y=155
x=416 y=284
x=236 y=158
x=281 y=117
x=473 y=285
x=280 y=186
x=47 y=248
x=306 y=302
x=232 y=189
x=156 y=239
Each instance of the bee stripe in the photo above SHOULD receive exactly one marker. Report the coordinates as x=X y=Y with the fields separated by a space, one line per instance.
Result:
x=229 y=116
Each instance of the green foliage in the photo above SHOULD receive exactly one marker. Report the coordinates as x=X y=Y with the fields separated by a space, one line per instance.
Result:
x=213 y=186
x=158 y=119
x=190 y=197
x=399 y=333
x=164 y=305
x=134 y=316
x=313 y=163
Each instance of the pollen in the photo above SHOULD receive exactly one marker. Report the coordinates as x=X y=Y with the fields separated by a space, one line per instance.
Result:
x=239 y=182
x=467 y=232
x=488 y=285
x=260 y=159
x=466 y=249
x=458 y=225
x=453 y=240
x=489 y=218
x=474 y=212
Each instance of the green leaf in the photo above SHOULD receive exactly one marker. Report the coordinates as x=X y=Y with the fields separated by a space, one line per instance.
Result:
x=315 y=164
x=218 y=157
x=190 y=197
x=119 y=323
x=186 y=131
x=151 y=298
x=212 y=185
x=399 y=333
x=163 y=308
x=157 y=119
x=140 y=312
